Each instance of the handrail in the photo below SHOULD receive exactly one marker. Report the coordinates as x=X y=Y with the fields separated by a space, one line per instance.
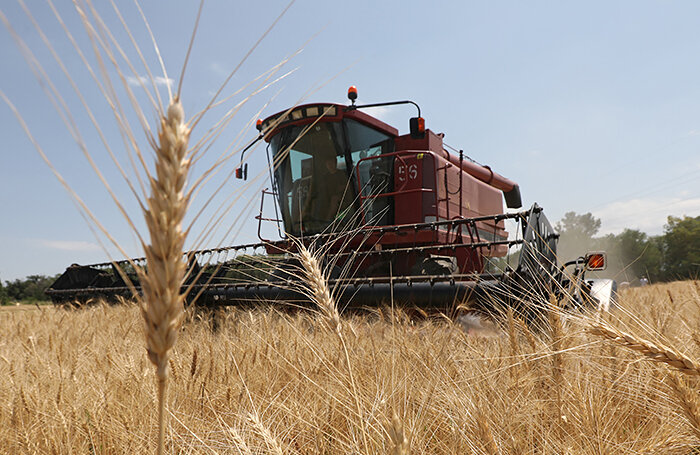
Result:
x=398 y=154
x=260 y=217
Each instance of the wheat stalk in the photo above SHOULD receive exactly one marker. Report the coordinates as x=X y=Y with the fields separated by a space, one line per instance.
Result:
x=658 y=353
x=486 y=435
x=557 y=347
x=321 y=295
x=399 y=441
x=512 y=335
x=162 y=300
x=529 y=336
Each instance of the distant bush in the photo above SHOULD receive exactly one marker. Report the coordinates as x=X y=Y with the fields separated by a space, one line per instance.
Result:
x=30 y=289
x=4 y=299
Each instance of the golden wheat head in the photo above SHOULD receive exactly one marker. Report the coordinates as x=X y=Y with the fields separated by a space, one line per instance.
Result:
x=161 y=305
x=652 y=351
x=162 y=300
x=318 y=288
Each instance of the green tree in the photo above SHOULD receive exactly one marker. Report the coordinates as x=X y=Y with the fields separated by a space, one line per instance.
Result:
x=576 y=235
x=633 y=254
x=573 y=224
x=14 y=289
x=30 y=289
x=4 y=299
x=681 y=248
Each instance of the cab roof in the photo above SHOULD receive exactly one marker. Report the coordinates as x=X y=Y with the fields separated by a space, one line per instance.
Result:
x=322 y=112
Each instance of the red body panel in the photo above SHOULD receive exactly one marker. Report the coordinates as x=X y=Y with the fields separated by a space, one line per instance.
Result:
x=432 y=170
x=430 y=185
x=412 y=204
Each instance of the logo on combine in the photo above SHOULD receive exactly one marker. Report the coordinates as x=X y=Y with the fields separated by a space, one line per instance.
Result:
x=410 y=171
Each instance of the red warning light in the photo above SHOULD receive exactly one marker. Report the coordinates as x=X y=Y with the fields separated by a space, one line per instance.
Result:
x=417 y=127
x=596 y=261
x=258 y=124
x=352 y=93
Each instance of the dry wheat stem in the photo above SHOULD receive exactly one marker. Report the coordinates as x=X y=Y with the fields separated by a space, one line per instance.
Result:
x=487 y=437
x=162 y=301
x=650 y=350
x=321 y=295
x=557 y=335
x=399 y=442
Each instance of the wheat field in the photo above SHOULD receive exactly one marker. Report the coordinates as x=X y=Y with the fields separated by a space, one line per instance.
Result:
x=273 y=381
x=80 y=381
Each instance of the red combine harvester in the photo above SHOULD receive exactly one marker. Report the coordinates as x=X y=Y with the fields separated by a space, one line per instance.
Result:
x=399 y=217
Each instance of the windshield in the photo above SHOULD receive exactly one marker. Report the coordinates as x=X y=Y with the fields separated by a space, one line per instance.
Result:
x=314 y=175
x=376 y=176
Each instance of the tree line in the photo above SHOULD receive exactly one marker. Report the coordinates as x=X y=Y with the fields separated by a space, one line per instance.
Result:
x=632 y=254
x=30 y=289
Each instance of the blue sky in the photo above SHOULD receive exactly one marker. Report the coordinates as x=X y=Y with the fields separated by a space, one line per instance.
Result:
x=590 y=106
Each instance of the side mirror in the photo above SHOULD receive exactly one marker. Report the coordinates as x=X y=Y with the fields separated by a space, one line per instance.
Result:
x=417 y=127
x=596 y=261
x=242 y=172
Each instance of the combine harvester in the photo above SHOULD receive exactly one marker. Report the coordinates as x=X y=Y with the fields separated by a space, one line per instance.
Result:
x=400 y=219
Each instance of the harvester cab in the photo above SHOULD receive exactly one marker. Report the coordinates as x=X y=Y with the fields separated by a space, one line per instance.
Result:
x=404 y=219
x=337 y=169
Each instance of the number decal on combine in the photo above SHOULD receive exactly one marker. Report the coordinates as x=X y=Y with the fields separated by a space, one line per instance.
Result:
x=412 y=173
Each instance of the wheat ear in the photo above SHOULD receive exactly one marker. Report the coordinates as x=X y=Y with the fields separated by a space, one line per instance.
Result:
x=162 y=300
x=273 y=445
x=239 y=442
x=688 y=401
x=650 y=350
x=318 y=288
